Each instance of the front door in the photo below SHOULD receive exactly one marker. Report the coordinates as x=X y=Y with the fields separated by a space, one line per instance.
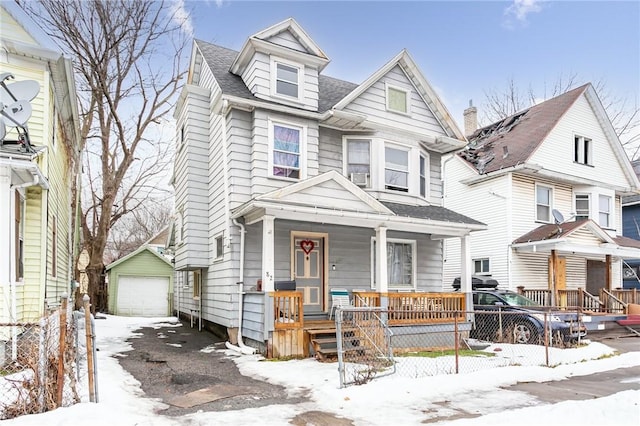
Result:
x=308 y=271
x=596 y=276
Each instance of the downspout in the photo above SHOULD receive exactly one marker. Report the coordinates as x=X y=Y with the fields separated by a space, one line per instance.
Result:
x=242 y=348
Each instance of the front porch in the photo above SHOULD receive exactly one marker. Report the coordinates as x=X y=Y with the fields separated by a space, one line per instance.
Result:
x=294 y=335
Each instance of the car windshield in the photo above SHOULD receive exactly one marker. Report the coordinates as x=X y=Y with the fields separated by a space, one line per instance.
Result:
x=515 y=299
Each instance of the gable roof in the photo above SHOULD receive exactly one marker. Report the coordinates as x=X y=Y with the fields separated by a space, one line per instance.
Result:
x=583 y=237
x=413 y=73
x=511 y=141
x=139 y=250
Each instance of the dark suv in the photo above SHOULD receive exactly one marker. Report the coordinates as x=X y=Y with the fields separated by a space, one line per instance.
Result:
x=503 y=315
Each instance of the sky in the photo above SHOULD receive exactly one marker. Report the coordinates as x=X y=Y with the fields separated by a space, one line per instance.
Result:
x=464 y=48
x=397 y=400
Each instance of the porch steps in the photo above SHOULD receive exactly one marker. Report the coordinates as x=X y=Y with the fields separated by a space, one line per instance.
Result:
x=323 y=343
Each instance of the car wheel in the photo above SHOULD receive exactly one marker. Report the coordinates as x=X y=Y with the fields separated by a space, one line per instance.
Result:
x=524 y=332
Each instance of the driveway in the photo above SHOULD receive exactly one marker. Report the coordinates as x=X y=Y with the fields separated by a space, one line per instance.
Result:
x=171 y=365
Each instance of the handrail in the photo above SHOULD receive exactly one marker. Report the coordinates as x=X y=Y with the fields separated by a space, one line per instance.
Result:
x=589 y=302
x=612 y=303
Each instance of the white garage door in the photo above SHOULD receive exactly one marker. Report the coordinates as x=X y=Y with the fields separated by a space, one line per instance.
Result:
x=143 y=296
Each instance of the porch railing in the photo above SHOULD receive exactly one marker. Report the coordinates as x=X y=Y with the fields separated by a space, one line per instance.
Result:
x=612 y=303
x=629 y=295
x=287 y=309
x=416 y=308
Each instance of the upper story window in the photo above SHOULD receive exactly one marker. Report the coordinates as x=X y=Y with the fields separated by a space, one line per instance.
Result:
x=358 y=161
x=604 y=211
x=287 y=144
x=397 y=99
x=423 y=176
x=219 y=247
x=544 y=195
x=396 y=169
x=582 y=206
x=582 y=150
x=286 y=79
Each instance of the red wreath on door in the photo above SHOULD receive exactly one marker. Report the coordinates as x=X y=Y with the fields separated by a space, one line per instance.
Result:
x=307 y=246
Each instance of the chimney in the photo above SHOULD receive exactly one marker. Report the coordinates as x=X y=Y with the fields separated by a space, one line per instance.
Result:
x=470 y=119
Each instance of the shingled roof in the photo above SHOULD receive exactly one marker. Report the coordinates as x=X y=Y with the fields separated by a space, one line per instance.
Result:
x=219 y=59
x=436 y=213
x=513 y=140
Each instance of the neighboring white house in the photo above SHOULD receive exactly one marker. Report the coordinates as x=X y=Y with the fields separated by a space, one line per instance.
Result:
x=282 y=173
x=548 y=182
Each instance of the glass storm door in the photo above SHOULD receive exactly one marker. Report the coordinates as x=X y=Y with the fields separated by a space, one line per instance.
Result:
x=308 y=269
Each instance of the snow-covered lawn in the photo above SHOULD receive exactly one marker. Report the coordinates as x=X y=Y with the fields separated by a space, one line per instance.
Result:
x=388 y=400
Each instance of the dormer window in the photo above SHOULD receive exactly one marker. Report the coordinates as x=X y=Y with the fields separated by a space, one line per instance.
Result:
x=397 y=99
x=286 y=79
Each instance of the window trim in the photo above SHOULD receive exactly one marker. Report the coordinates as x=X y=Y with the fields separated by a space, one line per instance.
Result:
x=482 y=260
x=275 y=61
x=550 y=206
x=197 y=284
x=609 y=212
x=302 y=145
x=219 y=254
x=414 y=266
x=423 y=156
x=575 y=205
x=407 y=99
x=582 y=146
x=398 y=147
x=345 y=156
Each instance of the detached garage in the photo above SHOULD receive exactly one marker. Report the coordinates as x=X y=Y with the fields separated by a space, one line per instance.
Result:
x=141 y=284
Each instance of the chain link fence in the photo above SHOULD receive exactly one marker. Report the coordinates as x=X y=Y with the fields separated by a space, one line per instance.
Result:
x=42 y=363
x=454 y=342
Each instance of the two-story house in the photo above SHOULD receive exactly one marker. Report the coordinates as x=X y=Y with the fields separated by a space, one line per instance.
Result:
x=38 y=151
x=548 y=182
x=285 y=174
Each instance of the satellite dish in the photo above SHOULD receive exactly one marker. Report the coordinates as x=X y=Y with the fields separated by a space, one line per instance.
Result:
x=25 y=90
x=557 y=216
x=18 y=112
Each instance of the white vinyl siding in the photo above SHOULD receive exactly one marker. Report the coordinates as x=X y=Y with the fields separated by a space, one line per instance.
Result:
x=372 y=103
x=556 y=153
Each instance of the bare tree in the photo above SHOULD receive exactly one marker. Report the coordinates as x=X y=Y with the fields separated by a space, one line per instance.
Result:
x=624 y=116
x=127 y=58
x=136 y=229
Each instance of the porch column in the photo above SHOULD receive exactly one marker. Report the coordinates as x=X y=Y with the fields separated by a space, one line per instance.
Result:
x=268 y=249
x=465 y=271
x=607 y=272
x=553 y=271
x=381 y=260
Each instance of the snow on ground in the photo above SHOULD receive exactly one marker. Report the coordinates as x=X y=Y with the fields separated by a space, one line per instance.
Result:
x=387 y=400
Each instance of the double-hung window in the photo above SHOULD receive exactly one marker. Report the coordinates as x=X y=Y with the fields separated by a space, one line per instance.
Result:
x=287 y=149
x=287 y=80
x=396 y=169
x=543 y=203
x=582 y=150
x=401 y=269
x=582 y=206
x=358 y=163
x=604 y=211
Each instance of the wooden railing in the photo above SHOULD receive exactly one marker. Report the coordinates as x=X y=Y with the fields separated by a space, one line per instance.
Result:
x=612 y=303
x=416 y=308
x=287 y=309
x=542 y=297
x=569 y=299
x=630 y=295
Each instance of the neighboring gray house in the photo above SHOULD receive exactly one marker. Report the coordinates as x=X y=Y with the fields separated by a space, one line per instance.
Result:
x=549 y=181
x=282 y=174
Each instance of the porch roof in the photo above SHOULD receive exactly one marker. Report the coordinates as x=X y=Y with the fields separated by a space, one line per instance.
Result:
x=437 y=221
x=581 y=237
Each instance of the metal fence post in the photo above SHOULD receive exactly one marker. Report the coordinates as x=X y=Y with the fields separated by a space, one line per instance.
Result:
x=62 y=323
x=456 y=340
x=89 y=346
